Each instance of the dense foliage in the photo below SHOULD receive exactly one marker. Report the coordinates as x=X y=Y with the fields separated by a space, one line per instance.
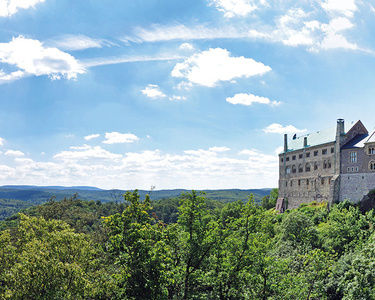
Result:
x=77 y=249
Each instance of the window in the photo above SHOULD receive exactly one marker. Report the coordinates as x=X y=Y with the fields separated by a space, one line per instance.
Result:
x=282 y=159
x=307 y=154
x=371 y=150
x=307 y=167
x=300 y=156
x=299 y=182
x=353 y=156
x=294 y=169
x=287 y=170
x=315 y=166
x=371 y=166
x=300 y=169
x=356 y=169
x=286 y=183
x=291 y=183
x=293 y=157
x=348 y=169
x=287 y=159
x=324 y=151
x=325 y=164
x=322 y=181
x=316 y=153
x=332 y=150
x=307 y=182
x=328 y=164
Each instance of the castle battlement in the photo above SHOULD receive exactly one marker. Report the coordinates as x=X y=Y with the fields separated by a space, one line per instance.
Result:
x=329 y=165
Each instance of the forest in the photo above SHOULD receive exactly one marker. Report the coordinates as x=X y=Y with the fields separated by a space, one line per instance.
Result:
x=187 y=248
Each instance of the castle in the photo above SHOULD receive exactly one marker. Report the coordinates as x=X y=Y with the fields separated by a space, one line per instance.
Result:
x=329 y=165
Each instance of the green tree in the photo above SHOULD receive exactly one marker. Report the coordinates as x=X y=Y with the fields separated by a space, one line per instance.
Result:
x=45 y=260
x=137 y=244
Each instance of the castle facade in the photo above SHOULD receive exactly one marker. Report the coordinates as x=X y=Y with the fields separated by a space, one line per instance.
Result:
x=329 y=165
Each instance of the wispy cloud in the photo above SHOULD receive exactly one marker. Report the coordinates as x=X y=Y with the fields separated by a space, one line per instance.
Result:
x=102 y=61
x=78 y=42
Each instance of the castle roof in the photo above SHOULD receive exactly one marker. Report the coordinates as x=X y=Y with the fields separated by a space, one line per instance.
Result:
x=371 y=139
x=313 y=139
x=358 y=142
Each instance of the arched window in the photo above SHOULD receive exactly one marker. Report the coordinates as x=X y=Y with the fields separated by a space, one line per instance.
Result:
x=300 y=168
x=307 y=167
x=371 y=165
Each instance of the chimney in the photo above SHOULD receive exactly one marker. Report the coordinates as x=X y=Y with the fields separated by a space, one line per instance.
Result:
x=305 y=141
x=285 y=143
x=340 y=130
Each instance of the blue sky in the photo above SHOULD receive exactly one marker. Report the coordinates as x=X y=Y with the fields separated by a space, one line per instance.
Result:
x=175 y=94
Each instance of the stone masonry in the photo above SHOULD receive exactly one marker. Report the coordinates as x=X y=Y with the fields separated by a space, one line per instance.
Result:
x=329 y=165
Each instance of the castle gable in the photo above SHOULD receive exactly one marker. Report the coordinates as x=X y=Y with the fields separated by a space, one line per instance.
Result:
x=356 y=136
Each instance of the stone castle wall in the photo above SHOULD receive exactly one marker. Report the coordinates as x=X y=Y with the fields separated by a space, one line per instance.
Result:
x=316 y=184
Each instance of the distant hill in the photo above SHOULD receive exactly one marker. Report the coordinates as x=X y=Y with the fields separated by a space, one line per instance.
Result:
x=13 y=198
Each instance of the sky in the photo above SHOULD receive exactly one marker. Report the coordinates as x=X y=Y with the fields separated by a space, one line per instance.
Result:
x=175 y=94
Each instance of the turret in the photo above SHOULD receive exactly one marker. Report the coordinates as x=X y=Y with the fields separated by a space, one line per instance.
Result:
x=285 y=143
x=340 y=132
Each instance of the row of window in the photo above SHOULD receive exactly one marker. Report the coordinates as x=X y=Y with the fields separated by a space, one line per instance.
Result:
x=371 y=167
x=293 y=169
x=307 y=182
x=307 y=154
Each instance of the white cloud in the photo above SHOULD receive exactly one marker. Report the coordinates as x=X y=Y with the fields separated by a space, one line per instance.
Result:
x=198 y=169
x=78 y=42
x=186 y=46
x=10 y=7
x=32 y=58
x=232 y=8
x=249 y=99
x=2 y=141
x=280 y=129
x=345 y=7
x=334 y=38
x=219 y=149
x=87 y=153
x=119 y=138
x=91 y=136
x=177 y=98
x=209 y=67
x=14 y=153
x=153 y=91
